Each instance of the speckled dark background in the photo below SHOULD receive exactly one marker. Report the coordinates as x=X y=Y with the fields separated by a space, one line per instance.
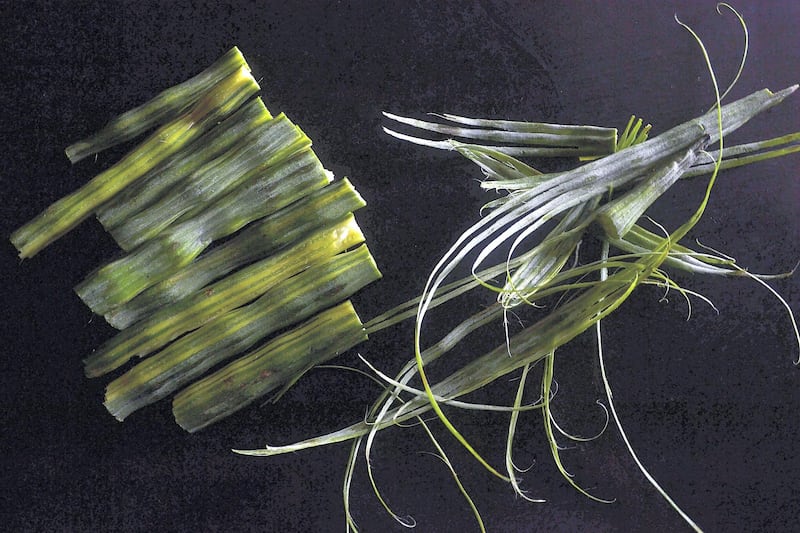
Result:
x=711 y=404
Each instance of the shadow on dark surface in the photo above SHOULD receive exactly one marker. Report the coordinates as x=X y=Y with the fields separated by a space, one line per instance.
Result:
x=709 y=404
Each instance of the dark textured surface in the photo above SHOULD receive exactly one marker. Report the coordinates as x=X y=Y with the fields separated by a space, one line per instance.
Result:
x=710 y=404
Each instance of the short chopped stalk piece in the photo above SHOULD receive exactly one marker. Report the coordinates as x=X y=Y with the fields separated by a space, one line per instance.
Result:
x=520 y=138
x=317 y=288
x=159 y=258
x=65 y=214
x=162 y=107
x=620 y=214
x=279 y=361
x=266 y=146
x=261 y=238
x=239 y=288
x=158 y=181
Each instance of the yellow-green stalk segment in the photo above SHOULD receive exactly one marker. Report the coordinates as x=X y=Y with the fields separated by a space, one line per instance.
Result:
x=161 y=108
x=256 y=241
x=224 y=98
x=265 y=191
x=245 y=285
x=267 y=145
x=296 y=299
x=158 y=181
x=280 y=361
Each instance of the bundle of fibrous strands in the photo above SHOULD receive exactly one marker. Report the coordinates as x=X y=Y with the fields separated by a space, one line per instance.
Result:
x=535 y=226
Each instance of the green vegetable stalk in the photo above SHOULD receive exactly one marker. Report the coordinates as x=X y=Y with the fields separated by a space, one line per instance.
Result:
x=191 y=312
x=68 y=212
x=267 y=145
x=163 y=107
x=300 y=297
x=268 y=190
x=255 y=242
x=280 y=361
x=155 y=184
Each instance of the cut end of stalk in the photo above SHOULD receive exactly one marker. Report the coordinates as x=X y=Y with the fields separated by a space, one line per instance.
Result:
x=77 y=151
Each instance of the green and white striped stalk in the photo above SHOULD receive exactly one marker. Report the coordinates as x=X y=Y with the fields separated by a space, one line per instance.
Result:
x=147 y=190
x=267 y=145
x=163 y=107
x=525 y=212
x=298 y=298
x=159 y=258
x=65 y=214
x=255 y=242
x=280 y=361
x=240 y=288
x=532 y=139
